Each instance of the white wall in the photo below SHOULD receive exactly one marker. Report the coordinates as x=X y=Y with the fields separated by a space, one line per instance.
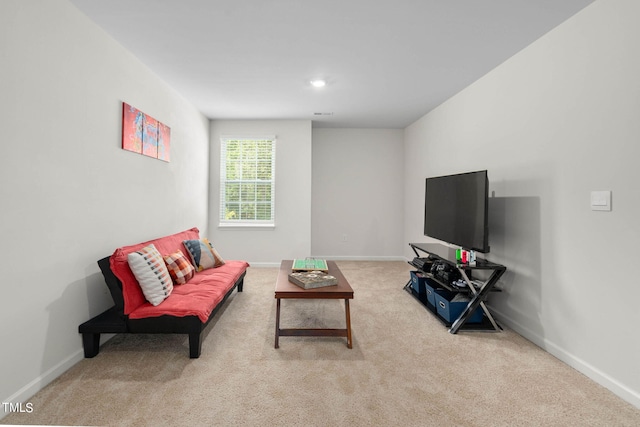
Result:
x=291 y=237
x=357 y=194
x=69 y=194
x=551 y=124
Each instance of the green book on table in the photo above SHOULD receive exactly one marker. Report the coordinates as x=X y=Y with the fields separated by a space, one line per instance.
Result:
x=310 y=265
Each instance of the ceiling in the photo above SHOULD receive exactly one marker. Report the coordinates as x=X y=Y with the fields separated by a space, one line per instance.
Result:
x=386 y=62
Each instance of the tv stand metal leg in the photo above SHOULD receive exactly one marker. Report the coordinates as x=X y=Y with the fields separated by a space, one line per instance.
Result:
x=477 y=300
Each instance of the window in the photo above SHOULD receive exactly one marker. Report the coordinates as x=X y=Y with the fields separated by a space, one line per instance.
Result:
x=247 y=167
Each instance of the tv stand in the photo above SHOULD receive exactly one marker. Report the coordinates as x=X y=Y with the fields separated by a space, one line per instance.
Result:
x=477 y=290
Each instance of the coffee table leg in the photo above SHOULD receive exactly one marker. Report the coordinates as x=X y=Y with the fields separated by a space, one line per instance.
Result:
x=277 y=320
x=346 y=309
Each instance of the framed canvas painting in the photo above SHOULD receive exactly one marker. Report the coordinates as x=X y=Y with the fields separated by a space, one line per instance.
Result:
x=143 y=134
x=150 y=137
x=132 y=123
x=164 y=142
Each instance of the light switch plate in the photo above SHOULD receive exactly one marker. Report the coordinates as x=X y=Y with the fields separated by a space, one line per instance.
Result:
x=601 y=200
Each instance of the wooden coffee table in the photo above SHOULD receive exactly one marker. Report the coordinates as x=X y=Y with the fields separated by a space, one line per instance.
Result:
x=286 y=289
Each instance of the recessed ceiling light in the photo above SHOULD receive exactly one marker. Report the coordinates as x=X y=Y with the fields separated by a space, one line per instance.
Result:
x=318 y=83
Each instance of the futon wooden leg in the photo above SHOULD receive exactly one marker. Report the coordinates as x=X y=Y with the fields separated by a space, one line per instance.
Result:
x=195 y=344
x=91 y=344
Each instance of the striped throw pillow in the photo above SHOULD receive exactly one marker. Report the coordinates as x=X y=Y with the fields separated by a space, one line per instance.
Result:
x=152 y=274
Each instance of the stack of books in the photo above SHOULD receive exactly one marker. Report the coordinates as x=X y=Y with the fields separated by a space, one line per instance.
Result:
x=312 y=279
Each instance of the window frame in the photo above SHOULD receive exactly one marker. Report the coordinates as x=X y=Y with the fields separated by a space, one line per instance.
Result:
x=245 y=223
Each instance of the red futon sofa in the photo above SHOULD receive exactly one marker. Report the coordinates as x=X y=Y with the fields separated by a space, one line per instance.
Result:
x=184 y=307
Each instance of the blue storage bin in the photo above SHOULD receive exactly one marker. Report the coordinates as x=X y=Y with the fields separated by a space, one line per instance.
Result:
x=450 y=305
x=431 y=287
x=418 y=282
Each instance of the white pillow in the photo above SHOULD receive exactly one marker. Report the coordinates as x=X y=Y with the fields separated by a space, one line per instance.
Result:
x=152 y=274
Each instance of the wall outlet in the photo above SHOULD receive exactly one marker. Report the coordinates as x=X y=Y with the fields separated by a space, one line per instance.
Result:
x=601 y=200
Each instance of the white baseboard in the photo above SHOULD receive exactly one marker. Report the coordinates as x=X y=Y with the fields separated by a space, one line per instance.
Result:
x=334 y=258
x=264 y=264
x=360 y=258
x=25 y=393
x=615 y=386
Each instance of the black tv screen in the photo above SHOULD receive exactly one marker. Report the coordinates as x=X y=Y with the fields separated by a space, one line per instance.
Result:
x=456 y=210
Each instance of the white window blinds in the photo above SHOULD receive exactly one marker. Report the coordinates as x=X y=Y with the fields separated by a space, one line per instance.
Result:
x=247 y=180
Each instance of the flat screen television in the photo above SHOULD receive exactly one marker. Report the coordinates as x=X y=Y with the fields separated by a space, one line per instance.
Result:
x=456 y=210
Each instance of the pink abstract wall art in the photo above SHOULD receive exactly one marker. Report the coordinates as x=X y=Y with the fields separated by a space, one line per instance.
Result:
x=164 y=142
x=145 y=135
x=132 y=120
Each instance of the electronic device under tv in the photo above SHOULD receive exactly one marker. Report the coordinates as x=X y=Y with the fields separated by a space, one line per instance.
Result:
x=456 y=210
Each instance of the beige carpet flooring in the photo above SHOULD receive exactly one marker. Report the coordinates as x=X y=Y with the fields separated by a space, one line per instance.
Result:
x=405 y=369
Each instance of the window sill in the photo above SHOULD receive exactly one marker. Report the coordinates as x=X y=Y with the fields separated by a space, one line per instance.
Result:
x=245 y=226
